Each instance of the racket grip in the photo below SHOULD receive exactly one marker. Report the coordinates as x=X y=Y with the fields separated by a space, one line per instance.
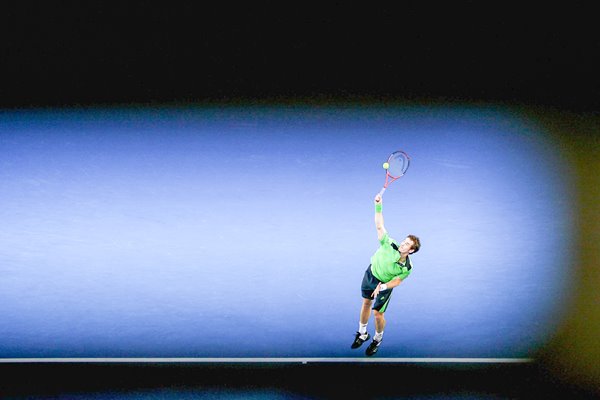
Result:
x=381 y=191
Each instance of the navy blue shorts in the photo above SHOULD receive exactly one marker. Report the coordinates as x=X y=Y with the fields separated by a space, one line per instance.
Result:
x=369 y=283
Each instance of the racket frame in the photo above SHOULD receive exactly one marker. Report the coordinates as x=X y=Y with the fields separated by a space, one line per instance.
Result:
x=389 y=178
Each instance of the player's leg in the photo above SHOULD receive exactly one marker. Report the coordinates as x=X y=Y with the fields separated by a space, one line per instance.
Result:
x=365 y=311
x=379 y=309
x=368 y=285
x=378 y=337
x=362 y=335
x=379 y=322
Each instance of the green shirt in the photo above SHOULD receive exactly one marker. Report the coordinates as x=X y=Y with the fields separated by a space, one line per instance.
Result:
x=384 y=263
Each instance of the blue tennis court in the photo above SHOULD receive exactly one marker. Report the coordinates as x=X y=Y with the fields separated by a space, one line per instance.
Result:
x=243 y=232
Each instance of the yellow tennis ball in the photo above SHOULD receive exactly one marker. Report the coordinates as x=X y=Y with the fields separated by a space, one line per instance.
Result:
x=386 y=165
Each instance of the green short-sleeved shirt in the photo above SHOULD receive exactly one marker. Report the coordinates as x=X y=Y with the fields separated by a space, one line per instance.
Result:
x=384 y=263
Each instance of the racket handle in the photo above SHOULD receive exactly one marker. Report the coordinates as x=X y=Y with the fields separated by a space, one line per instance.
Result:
x=381 y=191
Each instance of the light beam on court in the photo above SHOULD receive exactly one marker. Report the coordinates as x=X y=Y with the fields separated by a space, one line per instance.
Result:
x=243 y=232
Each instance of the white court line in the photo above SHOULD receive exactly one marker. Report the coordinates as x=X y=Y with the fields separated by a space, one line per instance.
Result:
x=266 y=360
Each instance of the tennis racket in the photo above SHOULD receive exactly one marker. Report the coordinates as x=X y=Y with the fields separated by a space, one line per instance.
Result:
x=397 y=164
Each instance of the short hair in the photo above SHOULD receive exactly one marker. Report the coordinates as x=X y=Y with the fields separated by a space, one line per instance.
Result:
x=417 y=243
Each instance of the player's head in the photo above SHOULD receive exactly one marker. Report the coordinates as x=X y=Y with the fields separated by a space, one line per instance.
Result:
x=411 y=244
x=416 y=243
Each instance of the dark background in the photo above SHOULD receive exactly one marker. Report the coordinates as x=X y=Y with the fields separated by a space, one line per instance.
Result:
x=131 y=52
x=84 y=54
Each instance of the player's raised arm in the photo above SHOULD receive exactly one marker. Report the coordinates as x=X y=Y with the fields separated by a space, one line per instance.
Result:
x=379 y=217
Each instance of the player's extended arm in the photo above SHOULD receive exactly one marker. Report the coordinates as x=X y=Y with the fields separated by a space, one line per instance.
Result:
x=379 y=217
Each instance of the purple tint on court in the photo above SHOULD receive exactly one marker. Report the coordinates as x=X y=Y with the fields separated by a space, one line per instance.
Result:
x=244 y=232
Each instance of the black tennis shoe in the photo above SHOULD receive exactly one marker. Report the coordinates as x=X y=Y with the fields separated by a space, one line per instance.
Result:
x=358 y=340
x=373 y=347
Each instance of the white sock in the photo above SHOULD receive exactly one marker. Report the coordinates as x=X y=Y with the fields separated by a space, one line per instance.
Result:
x=362 y=328
x=378 y=336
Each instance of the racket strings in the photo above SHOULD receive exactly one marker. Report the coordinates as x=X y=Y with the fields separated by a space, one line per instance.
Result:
x=398 y=164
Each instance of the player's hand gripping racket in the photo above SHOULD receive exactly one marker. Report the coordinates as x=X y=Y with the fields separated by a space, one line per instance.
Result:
x=395 y=167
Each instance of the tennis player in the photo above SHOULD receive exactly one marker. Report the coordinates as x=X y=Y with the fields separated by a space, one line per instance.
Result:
x=390 y=265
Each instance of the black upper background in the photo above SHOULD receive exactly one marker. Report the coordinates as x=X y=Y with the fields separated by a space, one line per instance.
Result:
x=109 y=53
